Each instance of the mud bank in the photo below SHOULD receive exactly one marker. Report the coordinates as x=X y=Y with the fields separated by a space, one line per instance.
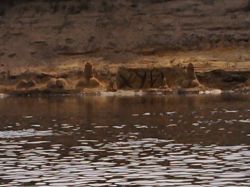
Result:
x=177 y=79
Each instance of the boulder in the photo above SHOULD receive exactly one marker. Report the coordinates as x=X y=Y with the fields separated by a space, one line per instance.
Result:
x=21 y=84
x=61 y=83
x=194 y=83
x=93 y=83
x=31 y=83
x=51 y=84
x=57 y=83
x=24 y=84
x=81 y=84
x=185 y=83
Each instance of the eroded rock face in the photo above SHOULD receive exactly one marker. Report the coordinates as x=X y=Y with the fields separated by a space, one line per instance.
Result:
x=142 y=26
x=223 y=79
x=139 y=78
x=130 y=78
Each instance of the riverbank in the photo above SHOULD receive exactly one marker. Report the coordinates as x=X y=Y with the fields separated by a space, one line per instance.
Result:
x=121 y=80
x=190 y=72
x=132 y=46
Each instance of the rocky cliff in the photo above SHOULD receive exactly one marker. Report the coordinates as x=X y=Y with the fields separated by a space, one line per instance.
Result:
x=42 y=32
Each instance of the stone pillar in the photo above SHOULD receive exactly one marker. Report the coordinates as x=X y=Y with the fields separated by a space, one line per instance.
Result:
x=88 y=72
x=190 y=72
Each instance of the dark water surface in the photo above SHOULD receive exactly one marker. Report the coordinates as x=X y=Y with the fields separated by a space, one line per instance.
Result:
x=125 y=141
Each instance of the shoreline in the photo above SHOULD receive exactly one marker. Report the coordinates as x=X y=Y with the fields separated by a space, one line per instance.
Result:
x=129 y=93
x=150 y=80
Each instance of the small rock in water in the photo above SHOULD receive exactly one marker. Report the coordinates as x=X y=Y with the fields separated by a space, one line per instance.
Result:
x=212 y=92
x=170 y=113
x=2 y=96
x=35 y=125
x=231 y=111
x=27 y=117
x=119 y=126
x=195 y=124
x=135 y=115
x=172 y=125
x=245 y=121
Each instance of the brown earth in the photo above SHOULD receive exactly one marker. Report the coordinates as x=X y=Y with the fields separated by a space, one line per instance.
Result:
x=40 y=32
x=51 y=41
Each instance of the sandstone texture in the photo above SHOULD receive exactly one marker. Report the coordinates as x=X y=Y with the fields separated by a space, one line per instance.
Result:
x=62 y=46
x=146 y=78
x=43 y=32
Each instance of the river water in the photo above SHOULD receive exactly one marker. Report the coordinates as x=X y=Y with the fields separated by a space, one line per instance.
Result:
x=125 y=141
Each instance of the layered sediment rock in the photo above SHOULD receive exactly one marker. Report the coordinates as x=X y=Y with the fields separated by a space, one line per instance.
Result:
x=144 y=78
x=139 y=78
x=38 y=32
x=181 y=79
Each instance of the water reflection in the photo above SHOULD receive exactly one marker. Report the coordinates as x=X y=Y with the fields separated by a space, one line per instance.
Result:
x=125 y=141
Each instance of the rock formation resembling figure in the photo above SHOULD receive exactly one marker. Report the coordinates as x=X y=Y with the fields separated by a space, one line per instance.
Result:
x=190 y=72
x=88 y=72
x=89 y=81
x=191 y=79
